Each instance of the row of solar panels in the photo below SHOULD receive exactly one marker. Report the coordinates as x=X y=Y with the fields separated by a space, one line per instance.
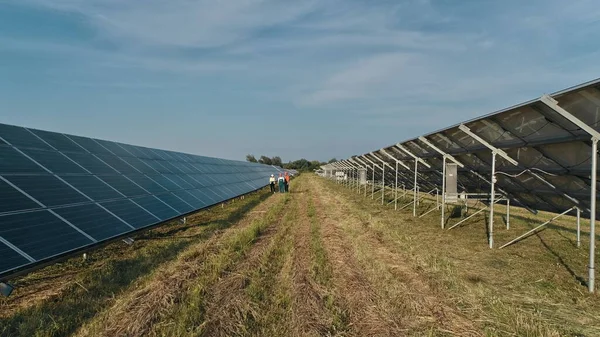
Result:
x=62 y=193
x=553 y=153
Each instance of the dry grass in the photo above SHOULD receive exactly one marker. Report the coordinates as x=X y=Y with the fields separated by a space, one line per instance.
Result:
x=530 y=289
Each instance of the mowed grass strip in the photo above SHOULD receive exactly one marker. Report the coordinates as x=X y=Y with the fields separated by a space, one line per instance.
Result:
x=57 y=300
x=322 y=273
x=187 y=316
x=533 y=288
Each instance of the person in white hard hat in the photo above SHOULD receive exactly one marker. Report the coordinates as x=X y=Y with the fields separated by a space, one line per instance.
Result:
x=272 y=183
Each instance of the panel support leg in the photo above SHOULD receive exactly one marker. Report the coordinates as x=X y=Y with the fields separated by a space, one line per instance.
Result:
x=415 y=191
x=592 y=275
x=382 y=183
x=396 y=189
x=373 y=184
x=492 y=196
x=443 y=217
x=578 y=227
x=507 y=214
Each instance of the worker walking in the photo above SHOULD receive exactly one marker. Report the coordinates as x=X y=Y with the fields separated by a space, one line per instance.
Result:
x=287 y=182
x=272 y=183
x=281 y=182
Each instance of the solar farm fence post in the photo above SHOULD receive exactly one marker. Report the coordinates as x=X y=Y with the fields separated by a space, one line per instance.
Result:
x=578 y=227
x=592 y=275
x=491 y=226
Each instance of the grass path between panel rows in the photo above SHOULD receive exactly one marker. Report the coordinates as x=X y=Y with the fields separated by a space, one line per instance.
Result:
x=319 y=261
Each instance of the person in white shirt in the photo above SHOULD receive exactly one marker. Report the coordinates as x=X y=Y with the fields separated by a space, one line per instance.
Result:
x=272 y=183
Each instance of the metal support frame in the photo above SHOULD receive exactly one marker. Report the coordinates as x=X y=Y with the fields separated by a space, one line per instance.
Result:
x=356 y=159
x=383 y=164
x=444 y=157
x=519 y=238
x=495 y=151
x=417 y=161
x=472 y=215
x=595 y=135
x=398 y=162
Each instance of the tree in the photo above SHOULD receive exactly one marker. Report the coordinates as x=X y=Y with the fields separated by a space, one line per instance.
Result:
x=332 y=160
x=251 y=158
x=265 y=160
x=276 y=161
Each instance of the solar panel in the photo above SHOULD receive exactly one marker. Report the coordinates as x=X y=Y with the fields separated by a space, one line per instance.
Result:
x=61 y=193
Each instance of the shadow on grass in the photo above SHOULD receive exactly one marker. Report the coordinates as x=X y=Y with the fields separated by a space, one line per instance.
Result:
x=94 y=289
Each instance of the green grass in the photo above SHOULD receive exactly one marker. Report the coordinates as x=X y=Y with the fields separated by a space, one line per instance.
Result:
x=188 y=316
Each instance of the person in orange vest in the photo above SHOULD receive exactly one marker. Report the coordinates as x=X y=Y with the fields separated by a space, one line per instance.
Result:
x=287 y=182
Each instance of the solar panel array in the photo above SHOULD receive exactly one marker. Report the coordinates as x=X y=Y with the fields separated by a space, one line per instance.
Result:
x=61 y=193
x=553 y=154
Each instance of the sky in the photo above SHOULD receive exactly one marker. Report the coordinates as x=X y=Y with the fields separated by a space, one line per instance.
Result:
x=295 y=79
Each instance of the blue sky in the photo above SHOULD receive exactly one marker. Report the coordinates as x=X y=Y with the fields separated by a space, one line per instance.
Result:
x=313 y=79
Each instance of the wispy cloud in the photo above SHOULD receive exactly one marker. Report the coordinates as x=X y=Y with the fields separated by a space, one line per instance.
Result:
x=385 y=64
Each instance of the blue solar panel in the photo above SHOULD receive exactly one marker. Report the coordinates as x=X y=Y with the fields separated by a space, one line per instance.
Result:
x=123 y=185
x=91 y=163
x=14 y=162
x=156 y=207
x=90 y=144
x=54 y=161
x=118 y=164
x=94 y=221
x=47 y=189
x=131 y=213
x=147 y=183
x=10 y=258
x=21 y=137
x=12 y=200
x=60 y=193
x=175 y=202
x=93 y=187
x=41 y=234
x=58 y=141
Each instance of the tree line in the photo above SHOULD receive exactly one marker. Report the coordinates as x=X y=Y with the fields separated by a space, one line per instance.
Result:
x=300 y=164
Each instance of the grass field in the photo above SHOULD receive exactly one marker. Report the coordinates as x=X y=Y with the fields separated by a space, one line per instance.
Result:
x=320 y=261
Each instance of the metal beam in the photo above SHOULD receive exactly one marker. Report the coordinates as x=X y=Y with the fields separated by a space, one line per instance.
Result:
x=498 y=151
x=398 y=161
x=401 y=147
x=553 y=104
x=436 y=149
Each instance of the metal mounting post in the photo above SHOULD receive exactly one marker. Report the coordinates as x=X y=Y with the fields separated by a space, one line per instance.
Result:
x=492 y=194
x=578 y=227
x=553 y=104
x=507 y=213
x=592 y=274
x=396 y=189
x=415 y=190
x=495 y=151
